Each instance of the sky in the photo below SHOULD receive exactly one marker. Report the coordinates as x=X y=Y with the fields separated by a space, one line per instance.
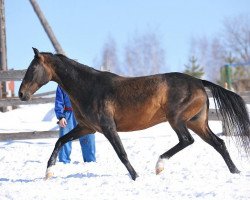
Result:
x=82 y=27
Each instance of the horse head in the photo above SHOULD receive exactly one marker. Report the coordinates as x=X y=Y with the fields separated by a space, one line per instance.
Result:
x=37 y=75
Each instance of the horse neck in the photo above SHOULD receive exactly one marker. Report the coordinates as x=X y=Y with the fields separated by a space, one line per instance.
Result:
x=70 y=74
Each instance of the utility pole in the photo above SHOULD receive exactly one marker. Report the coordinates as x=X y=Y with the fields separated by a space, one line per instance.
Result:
x=3 y=52
x=47 y=27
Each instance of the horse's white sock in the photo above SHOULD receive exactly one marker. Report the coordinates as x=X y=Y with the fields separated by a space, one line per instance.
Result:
x=159 y=166
x=49 y=173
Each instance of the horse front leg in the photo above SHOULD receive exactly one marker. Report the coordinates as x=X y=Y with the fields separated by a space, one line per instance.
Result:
x=74 y=134
x=109 y=130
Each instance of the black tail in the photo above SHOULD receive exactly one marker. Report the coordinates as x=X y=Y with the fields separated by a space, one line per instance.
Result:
x=234 y=113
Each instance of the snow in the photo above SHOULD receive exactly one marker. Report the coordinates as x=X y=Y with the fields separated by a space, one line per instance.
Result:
x=197 y=172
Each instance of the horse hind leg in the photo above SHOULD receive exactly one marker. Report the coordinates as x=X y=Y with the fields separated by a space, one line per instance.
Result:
x=201 y=128
x=185 y=139
x=220 y=146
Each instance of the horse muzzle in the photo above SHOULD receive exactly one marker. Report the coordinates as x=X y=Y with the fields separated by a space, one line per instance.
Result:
x=24 y=96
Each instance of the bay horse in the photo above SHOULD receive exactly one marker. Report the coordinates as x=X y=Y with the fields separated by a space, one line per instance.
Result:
x=108 y=103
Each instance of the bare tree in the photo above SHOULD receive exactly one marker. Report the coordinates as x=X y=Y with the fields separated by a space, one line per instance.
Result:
x=215 y=59
x=208 y=55
x=109 y=56
x=233 y=42
x=144 y=55
x=237 y=37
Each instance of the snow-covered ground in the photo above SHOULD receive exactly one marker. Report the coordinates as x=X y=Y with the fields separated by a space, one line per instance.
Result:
x=198 y=172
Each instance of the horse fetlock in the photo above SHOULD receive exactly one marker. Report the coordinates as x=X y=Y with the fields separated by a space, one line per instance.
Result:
x=134 y=176
x=159 y=166
x=49 y=173
x=235 y=171
x=132 y=172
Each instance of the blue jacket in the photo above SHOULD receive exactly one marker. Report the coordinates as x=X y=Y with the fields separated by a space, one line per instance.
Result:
x=62 y=101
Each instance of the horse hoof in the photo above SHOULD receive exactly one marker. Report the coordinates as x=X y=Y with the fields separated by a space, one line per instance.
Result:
x=49 y=174
x=236 y=171
x=158 y=170
x=134 y=177
x=159 y=166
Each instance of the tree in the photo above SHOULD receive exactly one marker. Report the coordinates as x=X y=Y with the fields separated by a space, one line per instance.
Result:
x=144 y=55
x=233 y=41
x=193 y=69
x=237 y=37
x=210 y=54
x=3 y=52
x=47 y=27
x=109 y=56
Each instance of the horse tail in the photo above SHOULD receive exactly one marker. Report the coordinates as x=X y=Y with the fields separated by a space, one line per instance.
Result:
x=234 y=114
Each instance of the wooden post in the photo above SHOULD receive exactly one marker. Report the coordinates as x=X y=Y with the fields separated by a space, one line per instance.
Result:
x=47 y=27
x=3 y=54
x=228 y=76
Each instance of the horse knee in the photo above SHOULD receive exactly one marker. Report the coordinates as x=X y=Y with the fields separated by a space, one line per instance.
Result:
x=186 y=141
x=191 y=140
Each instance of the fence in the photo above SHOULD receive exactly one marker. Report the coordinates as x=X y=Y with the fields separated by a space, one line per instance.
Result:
x=17 y=75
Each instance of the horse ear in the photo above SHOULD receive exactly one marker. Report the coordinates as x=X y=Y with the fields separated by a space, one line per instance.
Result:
x=36 y=52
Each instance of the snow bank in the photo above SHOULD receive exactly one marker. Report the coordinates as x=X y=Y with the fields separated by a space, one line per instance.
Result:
x=198 y=172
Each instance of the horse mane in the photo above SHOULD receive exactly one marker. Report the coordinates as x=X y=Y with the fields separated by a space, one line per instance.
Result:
x=72 y=62
x=61 y=55
x=47 y=53
x=66 y=59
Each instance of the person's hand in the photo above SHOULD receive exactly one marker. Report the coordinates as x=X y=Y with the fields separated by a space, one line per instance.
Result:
x=62 y=122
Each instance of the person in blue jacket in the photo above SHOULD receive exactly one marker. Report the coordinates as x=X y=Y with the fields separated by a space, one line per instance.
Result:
x=67 y=122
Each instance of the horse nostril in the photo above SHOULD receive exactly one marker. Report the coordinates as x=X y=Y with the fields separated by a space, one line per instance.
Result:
x=20 y=94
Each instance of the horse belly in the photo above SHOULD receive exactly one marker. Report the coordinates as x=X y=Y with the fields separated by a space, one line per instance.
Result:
x=137 y=120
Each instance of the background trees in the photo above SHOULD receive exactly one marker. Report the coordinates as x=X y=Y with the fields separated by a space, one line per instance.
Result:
x=109 y=61
x=231 y=45
x=237 y=37
x=142 y=55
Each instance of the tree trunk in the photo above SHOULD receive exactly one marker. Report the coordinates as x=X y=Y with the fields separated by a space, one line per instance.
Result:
x=47 y=27
x=3 y=57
